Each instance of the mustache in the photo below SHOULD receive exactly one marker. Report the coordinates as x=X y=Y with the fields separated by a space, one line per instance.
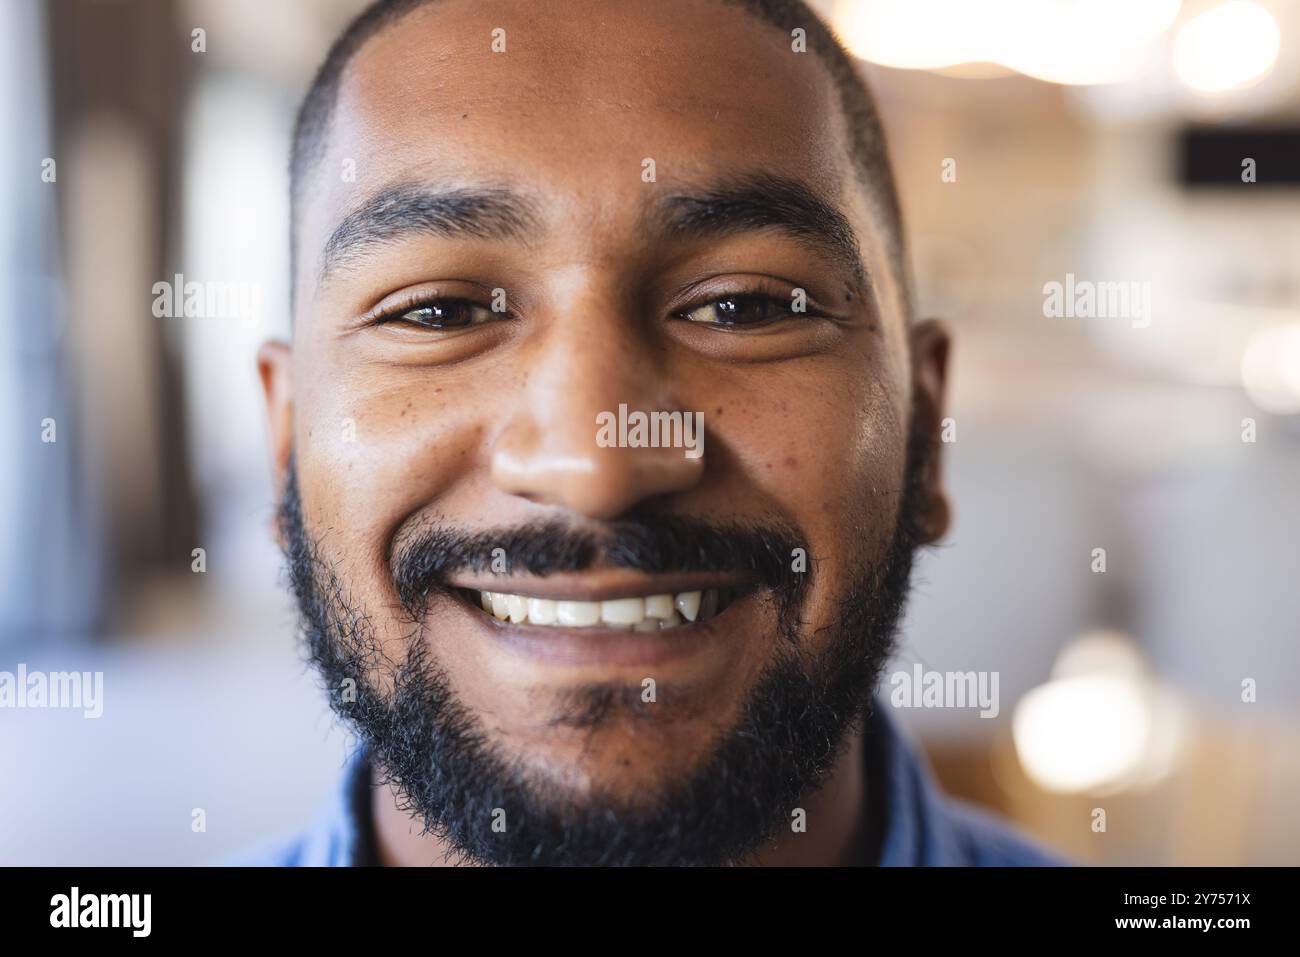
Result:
x=652 y=543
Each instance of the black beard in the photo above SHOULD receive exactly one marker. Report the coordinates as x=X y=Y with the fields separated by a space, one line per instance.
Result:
x=435 y=755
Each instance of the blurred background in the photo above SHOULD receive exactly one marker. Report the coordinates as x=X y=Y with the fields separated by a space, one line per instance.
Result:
x=1035 y=142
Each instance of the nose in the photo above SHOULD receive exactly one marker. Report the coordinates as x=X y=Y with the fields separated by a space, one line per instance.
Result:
x=563 y=445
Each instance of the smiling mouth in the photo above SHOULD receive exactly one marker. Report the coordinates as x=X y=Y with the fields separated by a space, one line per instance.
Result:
x=639 y=613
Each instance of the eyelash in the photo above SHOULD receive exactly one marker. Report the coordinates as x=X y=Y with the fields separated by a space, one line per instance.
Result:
x=399 y=312
x=784 y=310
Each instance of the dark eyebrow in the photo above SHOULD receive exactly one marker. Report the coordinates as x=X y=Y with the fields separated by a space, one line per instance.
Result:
x=398 y=211
x=764 y=201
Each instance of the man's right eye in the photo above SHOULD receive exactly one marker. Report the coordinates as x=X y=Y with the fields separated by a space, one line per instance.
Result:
x=445 y=314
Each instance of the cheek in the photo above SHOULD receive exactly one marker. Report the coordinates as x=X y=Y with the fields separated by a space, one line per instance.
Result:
x=374 y=447
x=832 y=458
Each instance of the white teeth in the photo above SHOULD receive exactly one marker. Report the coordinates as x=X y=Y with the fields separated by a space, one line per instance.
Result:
x=578 y=614
x=648 y=613
x=541 y=611
x=499 y=607
x=659 y=606
x=623 y=611
x=517 y=606
x=688 y=603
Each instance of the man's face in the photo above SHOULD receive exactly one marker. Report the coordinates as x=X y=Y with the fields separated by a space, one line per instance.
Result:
x=617 y=179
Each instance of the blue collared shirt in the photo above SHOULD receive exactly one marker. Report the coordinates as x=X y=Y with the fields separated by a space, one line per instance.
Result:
x=920 y=826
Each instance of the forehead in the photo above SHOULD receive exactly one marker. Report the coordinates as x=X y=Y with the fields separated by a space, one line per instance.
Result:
x=583 y=94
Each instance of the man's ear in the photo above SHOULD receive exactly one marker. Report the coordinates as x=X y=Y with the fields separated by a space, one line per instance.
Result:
x=930 y=344
x=275 y=369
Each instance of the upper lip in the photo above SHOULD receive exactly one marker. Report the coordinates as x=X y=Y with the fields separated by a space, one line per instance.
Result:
x=602 y=585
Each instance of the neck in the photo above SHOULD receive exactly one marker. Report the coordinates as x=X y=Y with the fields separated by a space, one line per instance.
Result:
x=833 y=832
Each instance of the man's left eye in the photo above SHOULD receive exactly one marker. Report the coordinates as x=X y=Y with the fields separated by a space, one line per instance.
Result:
x=448 y=314
x=741 y=311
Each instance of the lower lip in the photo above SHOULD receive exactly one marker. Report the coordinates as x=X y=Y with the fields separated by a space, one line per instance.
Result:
x=578 y=647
